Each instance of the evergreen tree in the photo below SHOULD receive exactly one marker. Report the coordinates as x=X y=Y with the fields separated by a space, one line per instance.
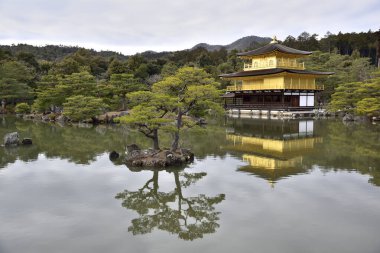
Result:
x=194 y=91
x=81 y=107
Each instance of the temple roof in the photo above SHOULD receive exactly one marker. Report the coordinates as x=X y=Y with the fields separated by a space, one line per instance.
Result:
x=273 y=175
x=274 y=47
x=272 y=71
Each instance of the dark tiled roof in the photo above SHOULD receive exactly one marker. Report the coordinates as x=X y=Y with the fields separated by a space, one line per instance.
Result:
x=274 y=47
x=262 y=72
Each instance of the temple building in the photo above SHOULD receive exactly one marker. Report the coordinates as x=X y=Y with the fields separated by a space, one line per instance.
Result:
x=273 y=78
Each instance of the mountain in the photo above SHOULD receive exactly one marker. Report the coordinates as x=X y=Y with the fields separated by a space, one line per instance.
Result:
x=208 y=47
x=240 y=44
x=57 y=52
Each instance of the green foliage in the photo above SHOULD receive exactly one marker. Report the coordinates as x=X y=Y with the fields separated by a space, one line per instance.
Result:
x=125 y=83
x=5 y=55
x=135 y=61
x=142 y=71
x=118 y=67
x=358 y=97
x=29 y=59
x=48 y=94
x=148 y=117
x=356 y=44
x=169 y=69
x=22 y=108
x=150 y=112
x=54 y=53
x=369 y=106
x=345 y=97
x=195 y=93
x=80 y=61
x=53 y=90
x=193 y=89
x=66 y=67
x=190 y=91
x=14 y=79
x=347 y=69
x=81 y=107
x=17 y=71
x=109 y=93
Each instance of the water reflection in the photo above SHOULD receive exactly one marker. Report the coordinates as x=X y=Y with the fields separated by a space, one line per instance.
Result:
x=274 y=149
x=188 y=217
x=80 y=145
x=54 y=205
x=355 y=147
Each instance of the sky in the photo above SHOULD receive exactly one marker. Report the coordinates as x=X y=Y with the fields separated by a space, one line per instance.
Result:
x=131 y=26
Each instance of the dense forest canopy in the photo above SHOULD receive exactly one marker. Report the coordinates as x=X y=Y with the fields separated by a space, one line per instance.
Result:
x=47 y=77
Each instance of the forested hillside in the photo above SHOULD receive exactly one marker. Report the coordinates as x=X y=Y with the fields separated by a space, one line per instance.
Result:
x=53 y=52
x=48 y=77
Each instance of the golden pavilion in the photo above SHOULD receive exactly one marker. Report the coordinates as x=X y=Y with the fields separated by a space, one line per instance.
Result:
x=274 y=78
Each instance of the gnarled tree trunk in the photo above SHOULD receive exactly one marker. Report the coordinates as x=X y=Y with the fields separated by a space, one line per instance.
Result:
x=175 y=142
x=155 y=140
x=3 y=103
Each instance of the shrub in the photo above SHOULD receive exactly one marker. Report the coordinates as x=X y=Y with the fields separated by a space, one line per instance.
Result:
x=22 y=108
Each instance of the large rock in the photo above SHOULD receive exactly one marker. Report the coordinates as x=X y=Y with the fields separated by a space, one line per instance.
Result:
x=11 y=139
x=110 y=116
x=157 y=158
x=113 y=155
x=61 y=119
x=27 y=141
x=348 y=117
x=133 y=147
x=361 y=118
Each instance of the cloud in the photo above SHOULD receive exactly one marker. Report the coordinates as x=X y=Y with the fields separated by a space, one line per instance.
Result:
x=137 y=25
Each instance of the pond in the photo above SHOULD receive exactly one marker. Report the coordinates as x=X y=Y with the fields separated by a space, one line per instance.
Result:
x=256 y=185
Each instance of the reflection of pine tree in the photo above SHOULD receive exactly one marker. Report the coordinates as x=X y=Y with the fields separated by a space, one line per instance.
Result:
x=190 y=219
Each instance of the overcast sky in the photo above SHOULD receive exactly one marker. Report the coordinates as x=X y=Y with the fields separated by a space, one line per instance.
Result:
x=131 y=26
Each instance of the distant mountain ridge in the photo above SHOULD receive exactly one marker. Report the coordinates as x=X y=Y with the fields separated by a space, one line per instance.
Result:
x=56 y=52
x=240 y=44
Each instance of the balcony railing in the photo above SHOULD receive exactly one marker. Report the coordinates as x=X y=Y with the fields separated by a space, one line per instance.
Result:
x=287 y=63
x=279 y=63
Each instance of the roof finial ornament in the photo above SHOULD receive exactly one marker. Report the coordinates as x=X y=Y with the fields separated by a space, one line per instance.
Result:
x=274 y=40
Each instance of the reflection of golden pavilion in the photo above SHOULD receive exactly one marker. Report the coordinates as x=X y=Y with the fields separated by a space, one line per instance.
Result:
x=281 y=149
x=271 y=163
x=274 y=153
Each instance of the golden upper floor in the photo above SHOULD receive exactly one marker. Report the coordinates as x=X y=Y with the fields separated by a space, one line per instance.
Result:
x=268 y=62
x=273 y=55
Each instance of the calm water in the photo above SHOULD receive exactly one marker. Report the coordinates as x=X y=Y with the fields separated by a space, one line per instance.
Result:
x=255 y=186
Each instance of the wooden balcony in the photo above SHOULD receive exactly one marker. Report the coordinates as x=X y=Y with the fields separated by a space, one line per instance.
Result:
x=271 y=107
